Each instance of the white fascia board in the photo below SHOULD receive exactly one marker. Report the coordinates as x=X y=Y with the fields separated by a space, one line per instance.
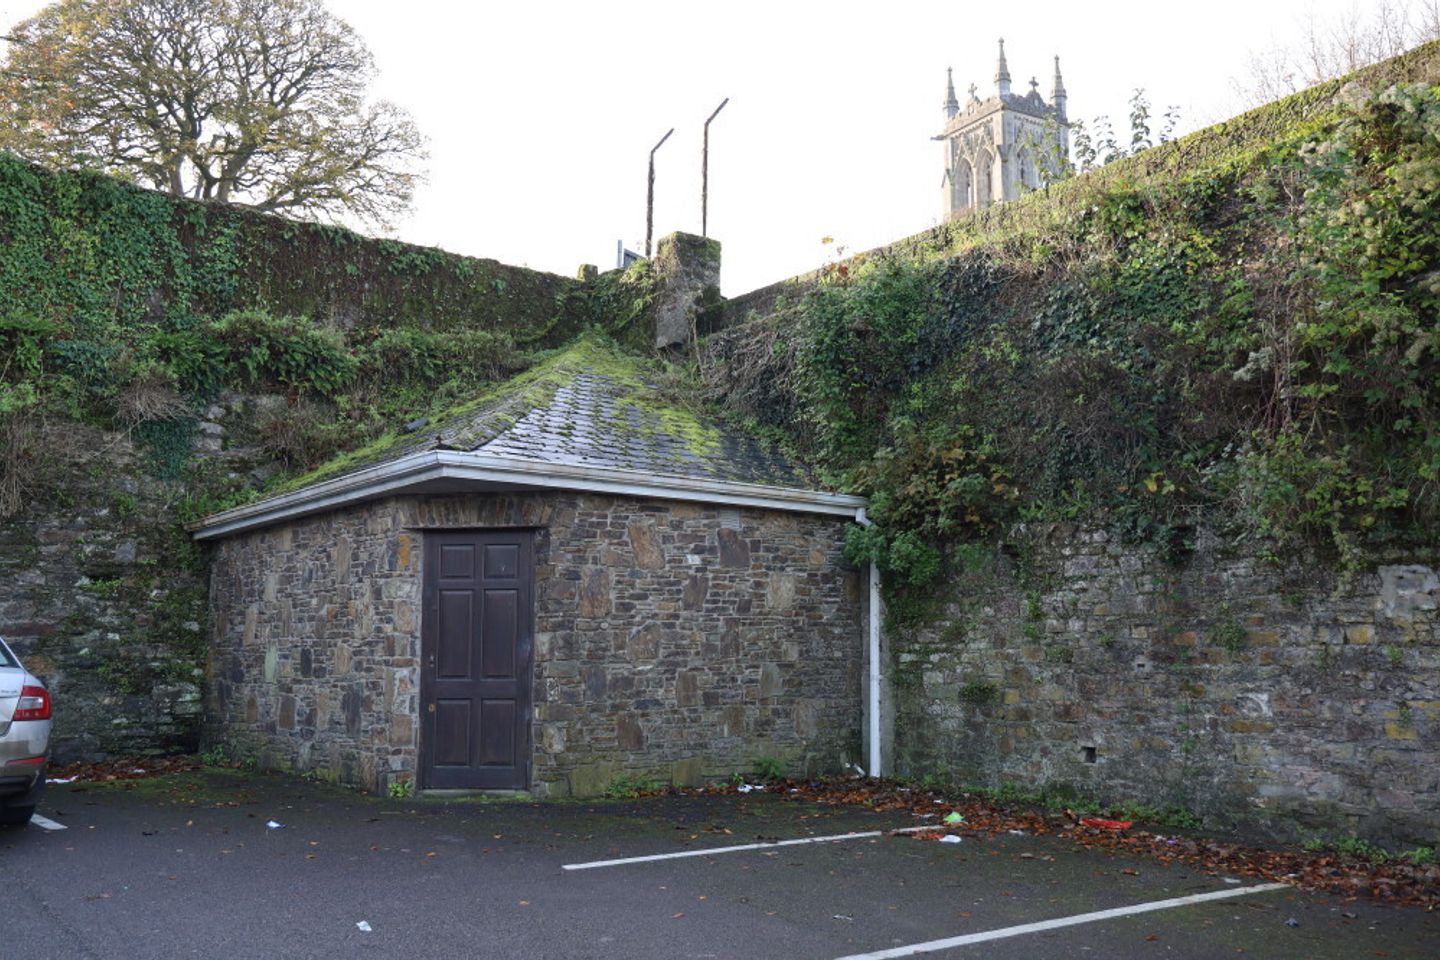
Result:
x=398 y=476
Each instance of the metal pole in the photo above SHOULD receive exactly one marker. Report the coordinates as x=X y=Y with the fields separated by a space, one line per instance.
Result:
x=705 y=172
x=650 y=195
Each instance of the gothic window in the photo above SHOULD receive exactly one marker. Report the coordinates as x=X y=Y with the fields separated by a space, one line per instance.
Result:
x=963 y=183
x=1029 y=175
x=984 y=179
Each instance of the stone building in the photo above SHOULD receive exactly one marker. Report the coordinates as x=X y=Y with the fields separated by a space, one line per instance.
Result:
x=567 y=581
x=1000 y=147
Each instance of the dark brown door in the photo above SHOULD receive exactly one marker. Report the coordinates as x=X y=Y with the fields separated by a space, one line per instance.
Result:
x=476 y=640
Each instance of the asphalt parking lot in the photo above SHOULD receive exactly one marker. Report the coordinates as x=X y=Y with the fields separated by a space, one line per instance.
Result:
x=187 y=866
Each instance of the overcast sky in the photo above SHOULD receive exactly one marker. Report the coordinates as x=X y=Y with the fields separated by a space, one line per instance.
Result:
x=541 y=114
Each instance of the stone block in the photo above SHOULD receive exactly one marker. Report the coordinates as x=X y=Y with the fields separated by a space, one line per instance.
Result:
x=592 y=779
x=688 y=773
x=734 y=550
x=629 y=734
x=771 y=681
x=595 y=592
x=687 y=688
x=644 y=643
x=645 y=544
x=696 y=588
x=1361 y=633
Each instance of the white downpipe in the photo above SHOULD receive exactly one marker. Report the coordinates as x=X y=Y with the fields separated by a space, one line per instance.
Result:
x=872 y=657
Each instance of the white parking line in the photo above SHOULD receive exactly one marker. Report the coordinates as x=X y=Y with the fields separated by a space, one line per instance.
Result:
x=712 y=851
x=45 y=823
x=930 y=946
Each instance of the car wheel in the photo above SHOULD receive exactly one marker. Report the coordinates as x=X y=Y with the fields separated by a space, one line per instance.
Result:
x=16 y=816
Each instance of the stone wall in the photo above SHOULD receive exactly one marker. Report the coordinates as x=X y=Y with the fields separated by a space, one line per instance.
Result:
x=1226 y=686
x=674 y=641
x=102 y=595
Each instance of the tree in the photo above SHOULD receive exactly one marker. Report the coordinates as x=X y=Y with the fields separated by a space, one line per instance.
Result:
x=1342 y=44
x=1096 y=144
x=259 y=102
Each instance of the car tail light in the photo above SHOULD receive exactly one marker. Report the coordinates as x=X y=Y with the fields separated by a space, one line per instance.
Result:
x=34 y=704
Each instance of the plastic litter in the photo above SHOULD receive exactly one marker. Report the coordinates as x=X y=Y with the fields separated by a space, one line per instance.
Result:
x=954 y=817
x=1231 y=880
x=949 y=838
x=363 y=926
x=273 y=824
x=1099 y=824
x=1016 y=833
x=61 y=779
x=1292 y=922
x=747 y=787
x=841 y=916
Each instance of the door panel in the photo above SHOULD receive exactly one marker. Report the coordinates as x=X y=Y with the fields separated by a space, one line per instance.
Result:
x=497 y=718
x=476 y=640
x=502 y=625
x=454 y=633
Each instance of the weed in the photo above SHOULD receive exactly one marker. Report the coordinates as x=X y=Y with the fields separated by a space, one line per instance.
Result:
x=401 y=789
x=1420 y=856
x=769 y=768
x=108 y=588
x=979 y=692
x=216 y=756
x=1364 y=849
x=1231 y=635
x=625 y=787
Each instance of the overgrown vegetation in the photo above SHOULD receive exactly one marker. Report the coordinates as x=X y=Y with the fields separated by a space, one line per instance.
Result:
x=131 y=310
x=1246 y=340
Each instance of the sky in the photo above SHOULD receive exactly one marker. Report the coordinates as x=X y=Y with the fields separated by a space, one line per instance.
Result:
x=541 y=114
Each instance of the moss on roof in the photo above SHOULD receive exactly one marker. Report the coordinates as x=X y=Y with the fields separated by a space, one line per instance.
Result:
x=589 y=403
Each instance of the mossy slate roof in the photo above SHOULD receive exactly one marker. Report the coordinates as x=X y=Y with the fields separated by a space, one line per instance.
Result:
x=590 y=405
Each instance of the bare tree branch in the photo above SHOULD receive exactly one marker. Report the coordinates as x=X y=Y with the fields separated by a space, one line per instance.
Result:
x=1342 y=44
x=259 y=102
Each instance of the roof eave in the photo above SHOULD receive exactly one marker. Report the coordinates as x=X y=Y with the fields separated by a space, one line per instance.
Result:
x=406 y=473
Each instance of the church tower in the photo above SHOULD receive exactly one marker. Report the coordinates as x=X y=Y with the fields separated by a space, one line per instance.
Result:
x=1002 y=146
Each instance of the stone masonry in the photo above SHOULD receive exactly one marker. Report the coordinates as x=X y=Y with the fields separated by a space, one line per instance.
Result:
x=1226 y=686
x=673 y=641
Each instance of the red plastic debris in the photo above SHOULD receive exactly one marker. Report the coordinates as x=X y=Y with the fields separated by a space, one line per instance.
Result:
x=1099 y=824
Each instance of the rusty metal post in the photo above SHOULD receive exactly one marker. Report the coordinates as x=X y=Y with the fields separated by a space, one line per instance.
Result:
x=650 y=195
x=705 y=172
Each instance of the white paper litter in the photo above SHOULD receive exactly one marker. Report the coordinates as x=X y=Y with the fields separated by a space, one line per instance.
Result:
x=363 y=926
x=949 y=838
x=274 y=824
x=62 y=779
x=747 y=787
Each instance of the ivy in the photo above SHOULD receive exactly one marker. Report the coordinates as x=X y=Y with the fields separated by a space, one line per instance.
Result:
x=1256 y=350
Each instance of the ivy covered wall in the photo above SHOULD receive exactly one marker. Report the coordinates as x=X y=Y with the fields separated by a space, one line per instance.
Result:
x=1234 y=335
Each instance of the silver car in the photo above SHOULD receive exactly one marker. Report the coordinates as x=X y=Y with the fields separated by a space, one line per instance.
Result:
x=24 y=738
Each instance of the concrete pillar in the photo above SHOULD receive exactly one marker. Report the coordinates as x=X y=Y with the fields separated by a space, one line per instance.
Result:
x=687 y=273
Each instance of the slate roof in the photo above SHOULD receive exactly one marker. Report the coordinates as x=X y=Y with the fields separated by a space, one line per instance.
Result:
x=591 y=405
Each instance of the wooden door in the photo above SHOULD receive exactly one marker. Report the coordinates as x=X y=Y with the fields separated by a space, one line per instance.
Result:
x=476 y=650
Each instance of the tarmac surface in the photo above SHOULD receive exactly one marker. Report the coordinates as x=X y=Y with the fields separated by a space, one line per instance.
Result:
x=186 y=866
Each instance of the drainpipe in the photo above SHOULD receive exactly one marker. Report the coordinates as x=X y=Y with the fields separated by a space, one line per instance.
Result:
x=873 y=655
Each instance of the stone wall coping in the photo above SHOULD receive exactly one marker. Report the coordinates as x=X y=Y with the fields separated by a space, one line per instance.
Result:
x=449 y=471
